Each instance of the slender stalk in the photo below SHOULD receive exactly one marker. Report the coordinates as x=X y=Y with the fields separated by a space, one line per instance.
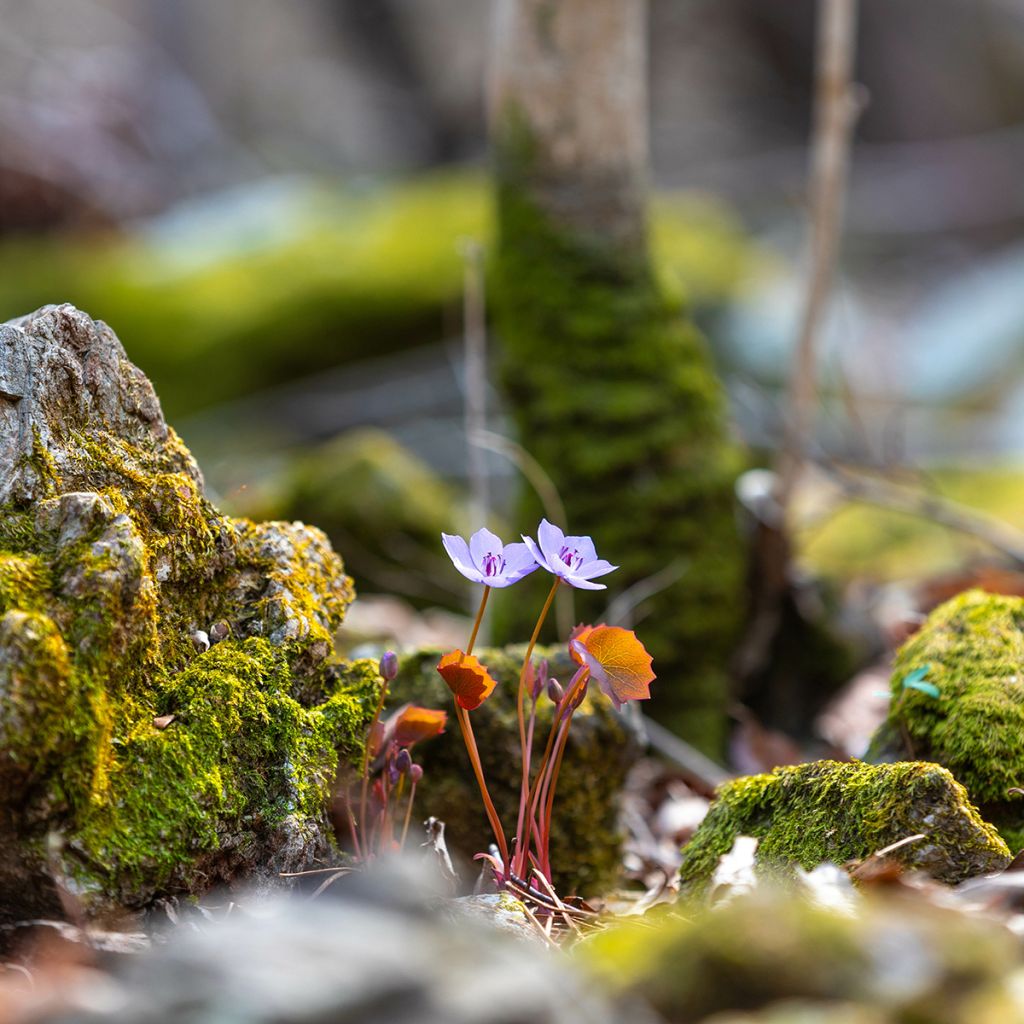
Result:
x=408 y=815
x=366 y=752
x=545 y=836
x=835 y=113
x=474 y=756
x=524 y=787
x=478 y=620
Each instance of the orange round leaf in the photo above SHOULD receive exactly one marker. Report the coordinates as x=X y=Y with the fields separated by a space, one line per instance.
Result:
x=414 y=724
x=618 y=662
x=467 y=678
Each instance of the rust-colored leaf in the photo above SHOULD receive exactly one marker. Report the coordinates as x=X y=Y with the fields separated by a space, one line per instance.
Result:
x=617 y=660
x=414 y=724
x=467 y=678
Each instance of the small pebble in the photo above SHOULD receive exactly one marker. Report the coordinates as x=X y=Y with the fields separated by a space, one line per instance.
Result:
x=219 y=631
x=162 y=721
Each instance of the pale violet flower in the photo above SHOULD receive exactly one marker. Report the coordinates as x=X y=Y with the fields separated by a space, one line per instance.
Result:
x=572 y=559
x=486 y=560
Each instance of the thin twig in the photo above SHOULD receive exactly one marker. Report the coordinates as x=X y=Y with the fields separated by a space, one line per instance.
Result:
x=874 y=491
x=835 y=111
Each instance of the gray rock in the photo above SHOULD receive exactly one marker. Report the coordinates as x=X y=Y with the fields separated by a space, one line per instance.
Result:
x=111 y=559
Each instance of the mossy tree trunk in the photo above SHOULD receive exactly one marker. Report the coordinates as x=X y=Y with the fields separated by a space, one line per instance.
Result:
x=612 y=386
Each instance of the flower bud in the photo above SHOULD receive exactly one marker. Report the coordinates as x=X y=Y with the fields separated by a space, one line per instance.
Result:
x=540 y=678
x=388 y=666
x=393 y=773
x=403 y=762
x=581 y=692
x=555 y=691
x=416 y=773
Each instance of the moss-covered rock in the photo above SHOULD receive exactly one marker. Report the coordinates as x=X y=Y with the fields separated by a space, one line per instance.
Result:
x=783 y=960
x=836 y=811
x=971 y=650
x=137 y=758
x=585 y=841
x=614 y=394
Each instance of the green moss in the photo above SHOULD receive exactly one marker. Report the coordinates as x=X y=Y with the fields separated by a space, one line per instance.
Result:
x=837 y=812
x=894 y=960
x=127 y=566
x=585 y=836
x=614 y=395
x=973 y=647
x=355 y=273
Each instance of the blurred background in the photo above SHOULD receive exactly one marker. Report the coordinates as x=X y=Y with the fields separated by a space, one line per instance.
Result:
x=271 y=203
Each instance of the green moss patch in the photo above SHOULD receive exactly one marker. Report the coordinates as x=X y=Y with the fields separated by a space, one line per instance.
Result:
x=971 y=650
x=837 y=812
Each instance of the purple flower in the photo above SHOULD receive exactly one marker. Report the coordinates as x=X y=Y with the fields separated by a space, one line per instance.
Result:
x=486 y=560
x=572 y=559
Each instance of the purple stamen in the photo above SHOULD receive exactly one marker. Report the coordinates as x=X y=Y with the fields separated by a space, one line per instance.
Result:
x=493 y=565
x=571 y=557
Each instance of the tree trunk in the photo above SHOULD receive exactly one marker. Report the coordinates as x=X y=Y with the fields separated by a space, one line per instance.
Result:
x=610 y=383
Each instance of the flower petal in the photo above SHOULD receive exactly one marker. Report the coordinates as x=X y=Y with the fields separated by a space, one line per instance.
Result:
x=579 y=582
x=469 y=680
x=625 y=666
x=483 y=543
x=583 y=546
x=414 y=724
x=536 y=552
x=598 y=567
x=519 y=562
x=550 y=539
x=458 y=552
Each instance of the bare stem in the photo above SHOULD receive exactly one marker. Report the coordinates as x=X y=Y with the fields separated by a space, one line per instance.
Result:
x=520 y=697
x=835 y=111
x=474 y=756
x=408 y=815
x=478 y=620
x=366 y=754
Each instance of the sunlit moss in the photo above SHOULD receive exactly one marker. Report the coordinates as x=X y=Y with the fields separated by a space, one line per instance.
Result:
x=973 y=649
x=828 y=811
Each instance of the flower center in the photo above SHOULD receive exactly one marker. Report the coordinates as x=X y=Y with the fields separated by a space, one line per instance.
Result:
x=493 y=565
x=571 y=557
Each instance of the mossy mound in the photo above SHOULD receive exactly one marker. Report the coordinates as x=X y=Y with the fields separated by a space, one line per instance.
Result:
x=585 y=841
x=971 y=650
x=774 y=957
x=835 y=811
x=615 y=396
x=116 y=574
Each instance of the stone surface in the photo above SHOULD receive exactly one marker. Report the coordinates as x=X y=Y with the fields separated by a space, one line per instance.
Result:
x=830 y=811
x=971 y=651
x=111 y=562
x=373 y=951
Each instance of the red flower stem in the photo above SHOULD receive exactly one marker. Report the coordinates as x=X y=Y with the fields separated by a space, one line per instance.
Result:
x=366 y=752
x=552 y=785
x=524 y=787
x=470 y=740
x=523 y=841
x=474 y=756
x=408 y=815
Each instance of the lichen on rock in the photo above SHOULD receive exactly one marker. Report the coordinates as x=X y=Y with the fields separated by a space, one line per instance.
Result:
x=112 y=564
x=585 y=841
x=830 y=811
x=971 y=649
